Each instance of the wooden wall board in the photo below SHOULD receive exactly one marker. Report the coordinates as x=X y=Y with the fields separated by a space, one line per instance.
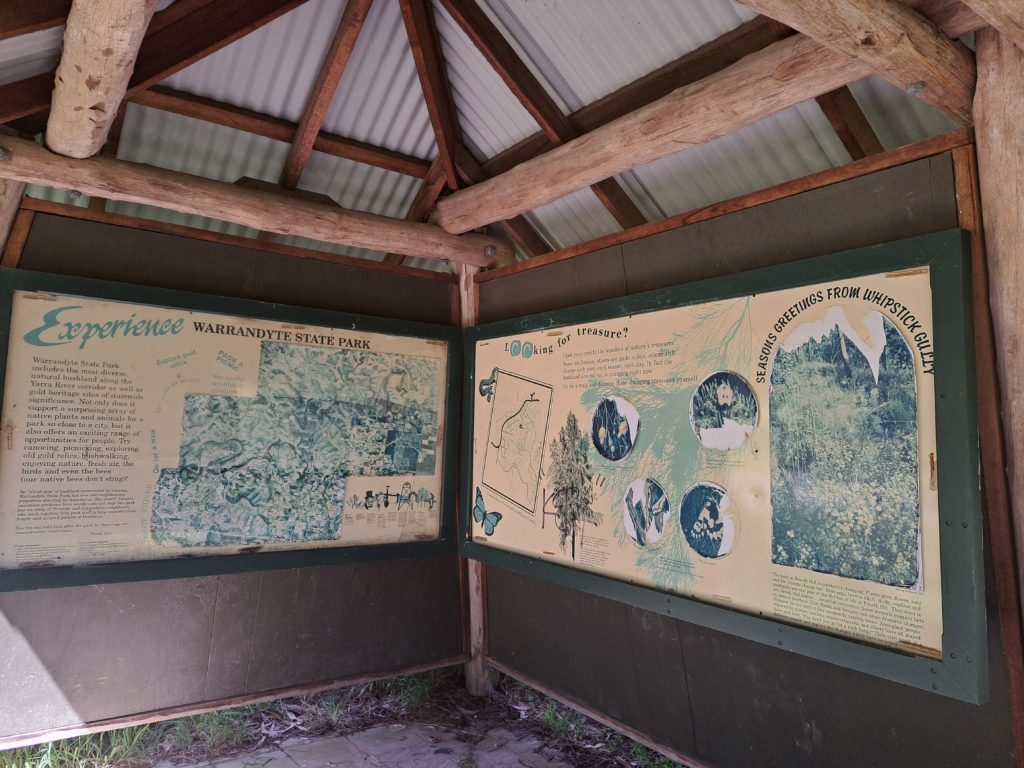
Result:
x=89 y=249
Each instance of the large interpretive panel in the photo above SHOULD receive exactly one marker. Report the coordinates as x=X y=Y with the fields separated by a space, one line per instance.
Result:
x=135 y=431
x=772 y=451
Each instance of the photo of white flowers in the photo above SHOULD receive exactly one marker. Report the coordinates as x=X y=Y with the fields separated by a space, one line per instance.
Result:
x=723 y=411
x=844 y=451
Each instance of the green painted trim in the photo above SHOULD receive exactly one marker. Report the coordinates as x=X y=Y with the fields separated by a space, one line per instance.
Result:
x=12 y=280
x=963 y=671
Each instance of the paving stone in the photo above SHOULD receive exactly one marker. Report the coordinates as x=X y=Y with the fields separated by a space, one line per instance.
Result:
x=499 y=758
x=517 y=743
x=274 y=758
x=537 y=760
x=442 y=739
x=334 y=751
x=390 y=743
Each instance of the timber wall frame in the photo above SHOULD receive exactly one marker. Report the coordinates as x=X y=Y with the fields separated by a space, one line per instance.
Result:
x=464 y=291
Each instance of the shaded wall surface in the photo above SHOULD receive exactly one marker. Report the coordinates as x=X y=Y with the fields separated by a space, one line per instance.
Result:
x=730 y=702
x=84 y=654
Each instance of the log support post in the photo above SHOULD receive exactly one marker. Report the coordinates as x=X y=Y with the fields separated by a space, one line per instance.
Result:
x=999 y=114
x=480 y=678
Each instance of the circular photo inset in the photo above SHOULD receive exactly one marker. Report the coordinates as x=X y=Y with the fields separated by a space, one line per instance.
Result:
x=708 y=520
x=723 y=411
x=645 y=511
x=614 y=427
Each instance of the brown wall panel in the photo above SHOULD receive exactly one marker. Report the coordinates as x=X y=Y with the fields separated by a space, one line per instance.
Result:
x=83 y=654
x=730 y=702
x=88 y=249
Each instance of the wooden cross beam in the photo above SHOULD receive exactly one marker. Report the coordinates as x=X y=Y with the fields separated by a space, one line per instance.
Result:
x=763 y=83
x=23 y=160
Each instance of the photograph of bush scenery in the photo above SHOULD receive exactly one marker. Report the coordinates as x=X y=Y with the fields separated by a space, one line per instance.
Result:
x=844 y=453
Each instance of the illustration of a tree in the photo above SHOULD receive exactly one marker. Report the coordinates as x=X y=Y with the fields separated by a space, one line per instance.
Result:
x=572 y=492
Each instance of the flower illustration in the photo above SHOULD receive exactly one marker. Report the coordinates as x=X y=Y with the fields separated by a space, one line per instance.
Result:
x=725 y=394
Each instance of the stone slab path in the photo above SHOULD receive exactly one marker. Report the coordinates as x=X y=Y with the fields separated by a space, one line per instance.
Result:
x=398 y=746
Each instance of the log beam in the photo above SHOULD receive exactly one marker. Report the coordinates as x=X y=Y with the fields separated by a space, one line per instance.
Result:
x=423 y=203
x=894 y=41
x=178 y=36
x=1005 y=15
x=766 y=82
x=101 y=43
x=327 y=80
x=999 y=113
x=25 y=161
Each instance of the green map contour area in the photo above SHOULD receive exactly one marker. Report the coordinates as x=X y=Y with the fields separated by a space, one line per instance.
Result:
x=272 y=468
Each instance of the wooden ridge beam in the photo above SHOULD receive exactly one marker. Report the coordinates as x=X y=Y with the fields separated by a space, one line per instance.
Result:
x=761 y=84
x=531 y=93
x=1007 y=16
x=25 y=161
x=327 y=80
x=180 y=35
x=218 y=112
x=101 y=43
x=19 y=17
x=425 y=43
x=892 y=40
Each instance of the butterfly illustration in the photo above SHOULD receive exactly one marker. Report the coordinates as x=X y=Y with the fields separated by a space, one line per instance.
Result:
x=489 y=519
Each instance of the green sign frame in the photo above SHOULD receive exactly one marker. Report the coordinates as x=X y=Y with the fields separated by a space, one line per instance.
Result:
x=12 y=280
x=962 y=673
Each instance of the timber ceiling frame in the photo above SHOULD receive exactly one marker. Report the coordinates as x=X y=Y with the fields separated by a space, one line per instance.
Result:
x=190 y=29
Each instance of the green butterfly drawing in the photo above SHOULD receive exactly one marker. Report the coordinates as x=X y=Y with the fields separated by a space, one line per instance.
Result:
x=489 y=519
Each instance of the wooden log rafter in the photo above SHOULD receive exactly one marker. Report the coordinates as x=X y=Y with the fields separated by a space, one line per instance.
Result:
x=178 y=36
x=25 y=161
x=843 y=113
x=101 y=43
x=213 y=111
x=327 y=80
x=425 y=44
x=1007 y=16
x=11 y=193
x=532 y=94
x=892 y=40
x=759 y=85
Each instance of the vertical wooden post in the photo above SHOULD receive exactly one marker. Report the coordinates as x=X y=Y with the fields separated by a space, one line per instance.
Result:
x=998 y=513
x=11 y=193
x=479 y=677
x=998 y=116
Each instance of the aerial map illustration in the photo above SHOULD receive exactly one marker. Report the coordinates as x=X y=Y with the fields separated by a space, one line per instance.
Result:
x=272 y=468
x=515 y=438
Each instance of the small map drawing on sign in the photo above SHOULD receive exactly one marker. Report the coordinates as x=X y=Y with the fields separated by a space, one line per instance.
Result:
x=515 y=438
